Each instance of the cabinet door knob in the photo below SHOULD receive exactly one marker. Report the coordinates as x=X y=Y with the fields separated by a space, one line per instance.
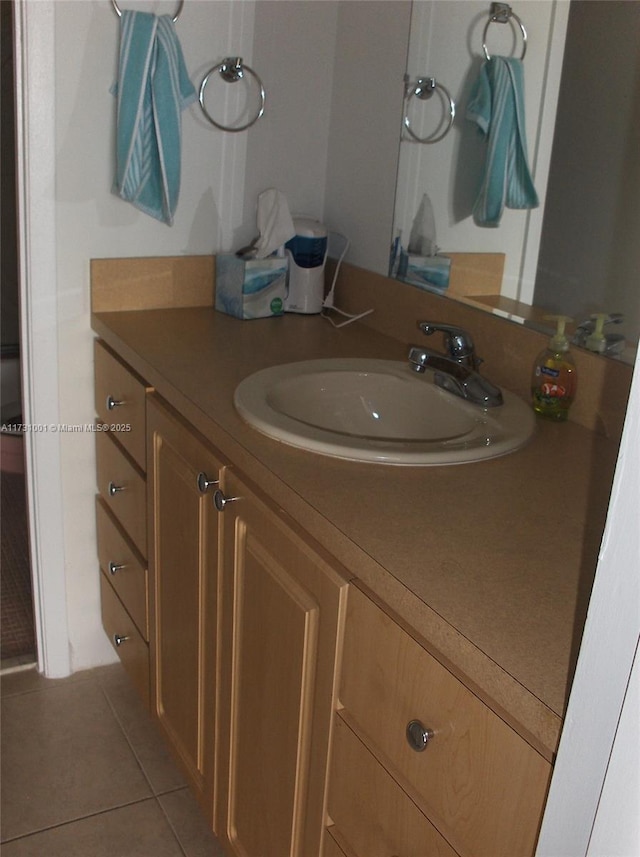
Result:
x=119 y=639
x=113 y=403
x=220 y=501
x=115 y=567
x=113 y=488
x=204 y=483
x=418 y=735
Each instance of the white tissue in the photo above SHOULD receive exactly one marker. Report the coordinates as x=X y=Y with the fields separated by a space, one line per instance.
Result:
x=422 y=240
x=275 y=226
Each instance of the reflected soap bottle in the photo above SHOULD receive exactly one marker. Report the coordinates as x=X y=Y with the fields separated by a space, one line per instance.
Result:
x=554 y=380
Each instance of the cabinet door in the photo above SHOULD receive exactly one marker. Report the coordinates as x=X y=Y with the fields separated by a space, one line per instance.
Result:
x=283 y=610
x=184 y=602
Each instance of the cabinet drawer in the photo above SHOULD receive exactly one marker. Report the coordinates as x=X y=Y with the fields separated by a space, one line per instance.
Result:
x=123 y=634
x=123 y=567
x=123 y=489
x=370 y=811
x=120 y=400
x=478 y=781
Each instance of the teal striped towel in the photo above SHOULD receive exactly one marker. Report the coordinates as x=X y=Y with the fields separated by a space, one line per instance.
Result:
x=152 y=90
x=496 y=105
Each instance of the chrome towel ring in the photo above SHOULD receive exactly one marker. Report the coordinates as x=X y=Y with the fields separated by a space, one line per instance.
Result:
x=231 y=70
x=424 y=88
x=501 y=13
x=118 y=10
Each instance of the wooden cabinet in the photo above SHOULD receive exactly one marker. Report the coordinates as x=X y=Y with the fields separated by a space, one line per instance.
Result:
x=371 y=814
x=183 y=472
x=245 y=622
x=284 y=692
x=283 y=606
x=481 y=786
x=121 y=513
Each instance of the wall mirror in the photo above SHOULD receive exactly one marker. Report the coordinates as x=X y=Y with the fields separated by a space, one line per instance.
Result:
x=578 y=253
x=346 y=163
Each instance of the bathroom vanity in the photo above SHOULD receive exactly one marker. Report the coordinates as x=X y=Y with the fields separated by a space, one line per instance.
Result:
x=346 y=659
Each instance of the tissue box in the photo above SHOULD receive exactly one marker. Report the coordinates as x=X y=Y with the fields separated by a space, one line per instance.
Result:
x=250 y=288
x=426 y=272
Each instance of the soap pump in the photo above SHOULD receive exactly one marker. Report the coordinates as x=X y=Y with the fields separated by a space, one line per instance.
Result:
x=596 y=340
x=554 y=380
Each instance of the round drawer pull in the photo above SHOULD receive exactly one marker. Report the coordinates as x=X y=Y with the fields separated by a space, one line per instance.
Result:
x=204 y=483
x=418 y=735
x=113 y=403
x=220 y=501
x=115 y=567
x=119 y=639
x=114 y=489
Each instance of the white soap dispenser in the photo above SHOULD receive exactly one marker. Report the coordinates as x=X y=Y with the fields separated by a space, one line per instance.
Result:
x=307 y=254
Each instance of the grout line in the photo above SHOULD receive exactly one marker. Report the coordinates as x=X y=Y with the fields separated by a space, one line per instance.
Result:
x=79 y=818
x=173 y=790
x=127 y=738
x=154 y=790
x=171 y=825
x=16 y=665
x=46 y=686
x=157 y=795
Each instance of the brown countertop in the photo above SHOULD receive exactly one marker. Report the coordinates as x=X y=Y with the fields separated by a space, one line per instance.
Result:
x=490 y=564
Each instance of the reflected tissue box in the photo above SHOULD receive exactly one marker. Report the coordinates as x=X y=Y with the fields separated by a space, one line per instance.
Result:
x=426 y=272
x=250 y=288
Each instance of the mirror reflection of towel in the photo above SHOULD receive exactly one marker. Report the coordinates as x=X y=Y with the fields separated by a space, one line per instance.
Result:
x=152 y=90
x=496 y=105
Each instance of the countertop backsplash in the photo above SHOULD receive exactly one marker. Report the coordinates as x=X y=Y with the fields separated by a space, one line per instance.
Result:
x=507 y=348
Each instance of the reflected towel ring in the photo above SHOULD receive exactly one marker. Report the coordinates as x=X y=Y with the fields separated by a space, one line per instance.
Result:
x=501 y=13
x=231 y=70
x=118 y=10
x=423 y=88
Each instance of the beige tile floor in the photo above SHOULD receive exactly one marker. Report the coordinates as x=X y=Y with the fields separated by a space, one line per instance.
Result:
x=85 y=774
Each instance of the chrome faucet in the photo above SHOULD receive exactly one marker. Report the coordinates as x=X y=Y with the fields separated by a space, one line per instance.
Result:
x=458 y=344
x=456 y=370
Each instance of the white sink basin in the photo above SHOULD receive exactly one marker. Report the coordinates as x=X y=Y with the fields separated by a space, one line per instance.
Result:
x=379 y=411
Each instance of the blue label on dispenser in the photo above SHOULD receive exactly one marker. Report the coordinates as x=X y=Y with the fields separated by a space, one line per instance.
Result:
x=547 y=370
x=307 y=252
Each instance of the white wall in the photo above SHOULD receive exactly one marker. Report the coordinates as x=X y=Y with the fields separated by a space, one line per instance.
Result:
x=616 y=828
x=294 y=51
x=330 y=138
x=364 y=143
x=91 y=222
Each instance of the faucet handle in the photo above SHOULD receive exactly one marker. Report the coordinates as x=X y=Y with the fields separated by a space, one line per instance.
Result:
x=458 y=342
